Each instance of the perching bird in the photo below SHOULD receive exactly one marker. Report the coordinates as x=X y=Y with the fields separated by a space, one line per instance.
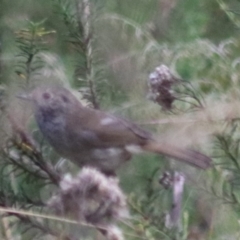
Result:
x=90 y=137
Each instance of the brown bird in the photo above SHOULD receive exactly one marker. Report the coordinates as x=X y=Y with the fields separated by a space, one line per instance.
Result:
x=94 y=138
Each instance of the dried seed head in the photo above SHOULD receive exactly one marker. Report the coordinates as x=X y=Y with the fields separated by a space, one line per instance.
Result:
x=160 y=86
x=90 y=197
x=114 y=233
x=166 y=180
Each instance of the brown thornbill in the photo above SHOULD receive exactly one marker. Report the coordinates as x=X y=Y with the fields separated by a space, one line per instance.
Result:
x=90 y=137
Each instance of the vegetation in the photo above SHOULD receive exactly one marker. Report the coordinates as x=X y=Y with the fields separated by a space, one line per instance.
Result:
x=119 y=55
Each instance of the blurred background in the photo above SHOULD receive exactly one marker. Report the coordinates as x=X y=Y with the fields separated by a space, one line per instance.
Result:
x=107 y=51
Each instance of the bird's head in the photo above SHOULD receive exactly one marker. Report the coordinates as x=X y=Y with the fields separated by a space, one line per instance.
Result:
x=51 y=99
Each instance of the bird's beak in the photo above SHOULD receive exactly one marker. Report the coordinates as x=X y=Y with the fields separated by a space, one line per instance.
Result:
x=24 y=96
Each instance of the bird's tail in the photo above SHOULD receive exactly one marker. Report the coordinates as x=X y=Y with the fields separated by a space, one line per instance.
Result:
x=191 y=157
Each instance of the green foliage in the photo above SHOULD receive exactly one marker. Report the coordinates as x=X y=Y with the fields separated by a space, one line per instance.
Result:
x=30 y=43
x=107 y=50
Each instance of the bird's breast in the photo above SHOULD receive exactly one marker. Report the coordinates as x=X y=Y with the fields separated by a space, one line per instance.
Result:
x=53 y=128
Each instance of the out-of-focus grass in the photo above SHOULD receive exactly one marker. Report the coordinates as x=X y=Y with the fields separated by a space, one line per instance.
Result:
x=130 y=46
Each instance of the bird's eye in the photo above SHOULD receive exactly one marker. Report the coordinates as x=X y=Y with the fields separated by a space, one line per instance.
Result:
x=64 y=98
x=46 y=95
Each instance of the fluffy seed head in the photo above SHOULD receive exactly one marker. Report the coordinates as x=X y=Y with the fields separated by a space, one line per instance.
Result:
x=90 y=197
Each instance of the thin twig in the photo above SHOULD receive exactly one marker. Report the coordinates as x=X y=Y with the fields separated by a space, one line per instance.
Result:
x=174 y=217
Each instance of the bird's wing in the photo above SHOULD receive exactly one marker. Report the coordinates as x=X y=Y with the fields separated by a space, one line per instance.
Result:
x=104 y=129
